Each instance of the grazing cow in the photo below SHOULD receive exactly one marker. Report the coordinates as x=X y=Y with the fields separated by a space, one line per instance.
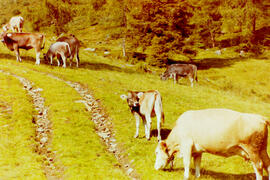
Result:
x=217 y=131
x=60 y=50
x=74 y=45
x=16 y=41
x=15 y=24
x=182 y=70
x=145 y=105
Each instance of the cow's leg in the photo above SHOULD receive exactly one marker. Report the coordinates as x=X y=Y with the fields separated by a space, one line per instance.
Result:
x=191 y=80
x=186 y=150
x=137 y=117
x=266 y=161
x=64 y=60
x=148 y=125
x=51 y=59
x=197 y=162
x=77 y=57
x=17 y=52
x=258 y=170
x=70 y=61
x=37 y=57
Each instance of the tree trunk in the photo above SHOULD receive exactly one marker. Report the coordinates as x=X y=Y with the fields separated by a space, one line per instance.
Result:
x=124 y=47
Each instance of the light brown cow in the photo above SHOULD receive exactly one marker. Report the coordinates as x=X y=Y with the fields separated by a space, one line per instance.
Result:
x=145 y=104
x=218 y=131
x=15 y=24
x=16 y=41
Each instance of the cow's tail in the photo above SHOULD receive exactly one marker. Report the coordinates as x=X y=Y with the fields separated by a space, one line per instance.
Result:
x=43 y=39
x=158 y=104
x=69 y=51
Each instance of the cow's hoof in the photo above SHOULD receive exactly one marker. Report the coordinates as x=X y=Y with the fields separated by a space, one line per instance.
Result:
x=136 y=136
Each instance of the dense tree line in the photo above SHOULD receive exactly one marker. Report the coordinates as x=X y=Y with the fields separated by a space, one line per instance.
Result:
x=160 y=28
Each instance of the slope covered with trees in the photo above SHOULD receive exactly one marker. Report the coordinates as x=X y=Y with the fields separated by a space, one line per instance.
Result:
x=161 y=29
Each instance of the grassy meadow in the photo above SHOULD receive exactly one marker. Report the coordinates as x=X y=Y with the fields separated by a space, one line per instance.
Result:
x=18 y=159
x=236 y=83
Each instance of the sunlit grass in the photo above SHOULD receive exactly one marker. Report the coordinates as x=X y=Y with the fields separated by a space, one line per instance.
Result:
x=75 y=142
x=18 y=159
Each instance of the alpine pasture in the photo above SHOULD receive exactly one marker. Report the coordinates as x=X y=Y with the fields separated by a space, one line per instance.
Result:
x=224 y=81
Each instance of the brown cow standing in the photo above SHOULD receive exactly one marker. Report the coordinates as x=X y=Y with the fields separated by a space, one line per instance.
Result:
x=16 y=41
x=221 y=132
x=180 y=70
x=74 y=45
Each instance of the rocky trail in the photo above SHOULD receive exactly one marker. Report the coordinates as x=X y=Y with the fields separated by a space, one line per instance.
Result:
x=103 y=126
x=43 y=130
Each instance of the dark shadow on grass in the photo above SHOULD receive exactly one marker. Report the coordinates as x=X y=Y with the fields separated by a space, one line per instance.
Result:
x=104 y=66
x=163 y=133
x=219 y=175
x=208 y=63
x=85 y=65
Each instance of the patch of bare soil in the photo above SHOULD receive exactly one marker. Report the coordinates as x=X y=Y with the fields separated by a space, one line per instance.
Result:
x=43 y=129
x=104 y=127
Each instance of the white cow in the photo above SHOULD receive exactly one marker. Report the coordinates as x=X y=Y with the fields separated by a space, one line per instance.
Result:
x=15 y=24
x=218 y=131
x=58 y=49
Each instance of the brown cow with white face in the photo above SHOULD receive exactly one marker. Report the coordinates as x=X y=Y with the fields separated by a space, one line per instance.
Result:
x=217 y=131
x=145 y=104
x=16 y=41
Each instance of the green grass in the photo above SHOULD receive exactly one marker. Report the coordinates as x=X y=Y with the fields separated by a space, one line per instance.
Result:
x=228 y=85
x=75 y=142
x=18 y=159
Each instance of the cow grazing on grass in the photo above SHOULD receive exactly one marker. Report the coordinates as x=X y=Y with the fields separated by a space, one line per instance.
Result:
x=58 y=50
x=145 y=104
x=15 y=24
x=218 y=131
x=182 y=70
x=74 y=45
x=16 y=41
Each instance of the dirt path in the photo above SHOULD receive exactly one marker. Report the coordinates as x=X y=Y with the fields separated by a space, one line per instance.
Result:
x=43 y=129
x=104 y=127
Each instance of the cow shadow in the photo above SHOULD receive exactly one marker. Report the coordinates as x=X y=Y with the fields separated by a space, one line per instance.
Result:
x=219 y=175
x=84 y=65
x=163 y=133
x=208 y=63
x=103 y=66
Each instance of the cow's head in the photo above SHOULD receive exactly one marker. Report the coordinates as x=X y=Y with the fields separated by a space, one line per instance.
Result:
x=162 y=155
x=164 y=76
x=6 y=27
x=2 y=35
x=132 y=98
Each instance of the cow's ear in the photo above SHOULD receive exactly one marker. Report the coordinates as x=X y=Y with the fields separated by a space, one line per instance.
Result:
x=123 y=97
x=140 y=94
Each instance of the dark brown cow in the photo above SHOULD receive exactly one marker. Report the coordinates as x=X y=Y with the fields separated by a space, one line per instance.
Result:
x=182 y=70
x=145 y=104
x=74 y=45
x=16 y=41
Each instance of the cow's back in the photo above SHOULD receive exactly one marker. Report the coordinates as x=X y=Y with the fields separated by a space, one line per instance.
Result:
x=73 y=42
x=218 y=129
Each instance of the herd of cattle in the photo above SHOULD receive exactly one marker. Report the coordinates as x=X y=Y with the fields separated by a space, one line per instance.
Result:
x=218 y=131
x=64 y=47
